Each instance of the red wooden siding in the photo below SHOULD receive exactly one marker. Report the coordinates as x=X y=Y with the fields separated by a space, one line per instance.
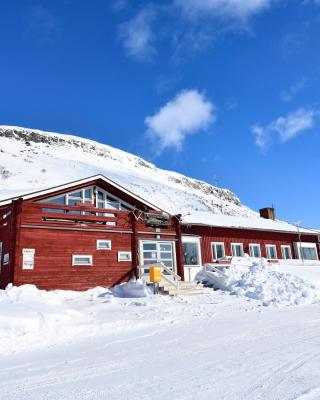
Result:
x=8 y=228
x=57 y=236
x=236 y=235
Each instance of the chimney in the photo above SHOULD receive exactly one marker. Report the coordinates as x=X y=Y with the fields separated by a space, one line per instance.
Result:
x=267 y=213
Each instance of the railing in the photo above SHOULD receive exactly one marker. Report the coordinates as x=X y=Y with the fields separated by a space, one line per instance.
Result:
x=175 y=278
x=45 y=213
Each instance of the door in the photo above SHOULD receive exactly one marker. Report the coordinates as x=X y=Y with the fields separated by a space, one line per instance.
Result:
x=152 y=252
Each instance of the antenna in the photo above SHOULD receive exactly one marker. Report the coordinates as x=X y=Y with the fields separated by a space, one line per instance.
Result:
x=216 y=184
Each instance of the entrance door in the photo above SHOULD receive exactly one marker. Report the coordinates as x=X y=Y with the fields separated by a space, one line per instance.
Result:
x=152 y=252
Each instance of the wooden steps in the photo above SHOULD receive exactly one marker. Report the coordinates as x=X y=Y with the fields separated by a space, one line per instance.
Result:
x=184 y=289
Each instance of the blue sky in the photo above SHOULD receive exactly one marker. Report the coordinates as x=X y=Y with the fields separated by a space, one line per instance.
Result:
x=222 y=90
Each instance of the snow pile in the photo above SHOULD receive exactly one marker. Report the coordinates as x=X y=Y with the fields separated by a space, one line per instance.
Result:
x=262 y=282
x=133 y=288
x=26 y=309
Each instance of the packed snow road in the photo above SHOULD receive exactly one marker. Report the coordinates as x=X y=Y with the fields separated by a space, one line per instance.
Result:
x=204 y=347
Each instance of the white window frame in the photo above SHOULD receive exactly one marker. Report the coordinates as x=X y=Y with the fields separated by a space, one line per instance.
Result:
x=105 y=200
x=254 y=245
x=104 y=241
x=75 y=264
x=120 y=253
x=193 y=239
x=236 y=244
x=306 y=244
x=268 y=246
x=212 y=253
x=286 y=246
x=141 y=258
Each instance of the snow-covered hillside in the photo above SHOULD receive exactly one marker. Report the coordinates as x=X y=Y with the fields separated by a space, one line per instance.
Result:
x=32 y=159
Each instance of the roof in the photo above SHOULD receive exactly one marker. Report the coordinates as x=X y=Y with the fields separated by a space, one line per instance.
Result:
x=219 y=220
x=53 y=189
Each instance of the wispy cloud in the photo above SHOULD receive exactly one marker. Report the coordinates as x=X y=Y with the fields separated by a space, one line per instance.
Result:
x=137 y=34
x=286 y=128
x=293 y=90
x=189 y=24
x=227 y=9
x=188 y=113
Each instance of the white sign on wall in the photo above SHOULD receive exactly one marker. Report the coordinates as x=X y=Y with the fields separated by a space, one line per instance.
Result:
x=28 y=258
x=6 y=259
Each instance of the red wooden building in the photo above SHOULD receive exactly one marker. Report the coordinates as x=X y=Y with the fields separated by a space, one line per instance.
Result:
x=95 y=232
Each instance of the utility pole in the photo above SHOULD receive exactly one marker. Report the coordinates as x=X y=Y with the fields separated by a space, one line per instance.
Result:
x=297 y=224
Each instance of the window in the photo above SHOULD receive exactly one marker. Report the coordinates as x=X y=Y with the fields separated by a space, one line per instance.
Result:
x=255 y=250
x=124 y=255
x=61 y=200
x=152 y=252
x=218 y=250
x=306 y=251
x=87 y=195
x=286 y=252
x=191 y=251
x=79 y=259
x=271 y=252
x=103 y=244
x=237 y=249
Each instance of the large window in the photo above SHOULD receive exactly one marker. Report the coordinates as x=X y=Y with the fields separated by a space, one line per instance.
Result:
x=237 y=249
x=307 y=251
x=89 y=195
x=218 y=250
x=191 y=251
x=286 y=252
x=153 y=252
x=271 y=251
x=255 y=250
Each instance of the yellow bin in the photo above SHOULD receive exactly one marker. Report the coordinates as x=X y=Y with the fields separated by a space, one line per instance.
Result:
x=155 y=274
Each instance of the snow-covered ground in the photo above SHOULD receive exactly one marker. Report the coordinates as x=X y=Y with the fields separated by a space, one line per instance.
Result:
x=96 y=345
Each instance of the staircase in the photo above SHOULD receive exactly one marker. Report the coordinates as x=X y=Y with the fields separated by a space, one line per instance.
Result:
x=183 y=289
x=171 y=283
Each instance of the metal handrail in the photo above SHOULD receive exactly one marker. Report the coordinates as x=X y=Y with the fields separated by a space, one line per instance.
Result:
x=176 y=277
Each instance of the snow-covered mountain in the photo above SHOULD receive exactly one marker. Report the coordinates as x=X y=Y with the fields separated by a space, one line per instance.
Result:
x=32 y=159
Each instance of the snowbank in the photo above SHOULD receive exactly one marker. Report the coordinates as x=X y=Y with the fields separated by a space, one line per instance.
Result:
x=26 y=309
x=263 y=282
x=133 y=288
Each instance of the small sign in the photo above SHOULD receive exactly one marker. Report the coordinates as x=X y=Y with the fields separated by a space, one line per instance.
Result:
x=28 y=258
x=156 y=220
x=6 y=259
x=28 y=251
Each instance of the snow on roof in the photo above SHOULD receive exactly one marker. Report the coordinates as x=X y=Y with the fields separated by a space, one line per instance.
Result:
x=227 y=221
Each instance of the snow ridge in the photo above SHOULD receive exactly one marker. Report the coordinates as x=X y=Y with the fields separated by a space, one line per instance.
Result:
x=33 y=159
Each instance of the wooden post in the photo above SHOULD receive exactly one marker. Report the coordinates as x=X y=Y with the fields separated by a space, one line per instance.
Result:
x=134 y=246
x=179 y=250
x=15 y=238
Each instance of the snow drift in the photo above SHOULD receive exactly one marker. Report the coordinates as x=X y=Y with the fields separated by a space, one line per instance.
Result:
x=260 y=281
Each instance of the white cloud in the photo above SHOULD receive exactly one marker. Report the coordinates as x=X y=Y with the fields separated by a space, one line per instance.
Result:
x=137 y=34
x=286 y=128
x=188 y=113
x=287 y=95
x=235 y=9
